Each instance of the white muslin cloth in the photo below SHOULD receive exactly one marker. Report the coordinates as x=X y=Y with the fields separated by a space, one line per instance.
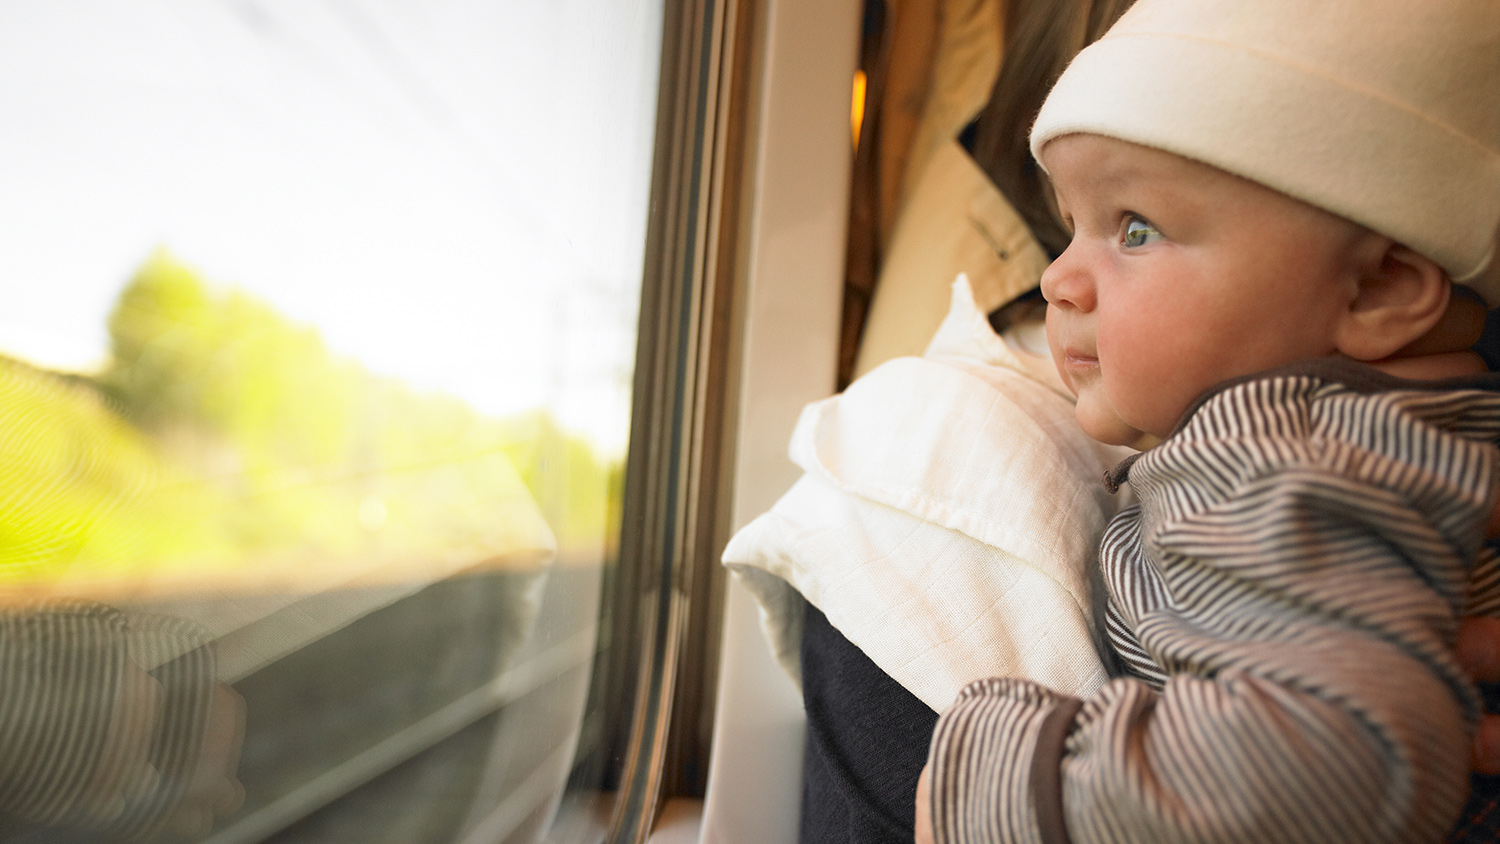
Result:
x=946 y=523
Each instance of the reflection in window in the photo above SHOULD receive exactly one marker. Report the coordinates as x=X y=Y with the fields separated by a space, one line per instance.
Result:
x=315 y=353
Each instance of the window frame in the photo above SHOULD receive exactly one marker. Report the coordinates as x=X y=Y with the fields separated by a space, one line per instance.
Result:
x=739 y=330
x=664 y=602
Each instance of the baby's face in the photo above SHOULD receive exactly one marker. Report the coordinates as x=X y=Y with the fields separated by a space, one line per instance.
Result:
x=1179 y=276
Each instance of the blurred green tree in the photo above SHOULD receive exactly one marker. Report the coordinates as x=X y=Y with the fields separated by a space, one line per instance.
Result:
x=220 y=431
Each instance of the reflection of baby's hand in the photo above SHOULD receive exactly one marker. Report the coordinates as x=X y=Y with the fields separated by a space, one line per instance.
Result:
x=108 y=747
x=125 y=773
x=124 y=770
x=213 y=790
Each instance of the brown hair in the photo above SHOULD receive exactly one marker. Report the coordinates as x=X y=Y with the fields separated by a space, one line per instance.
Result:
x=1041 y=37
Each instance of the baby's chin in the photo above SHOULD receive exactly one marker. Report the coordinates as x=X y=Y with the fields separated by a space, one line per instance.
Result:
x=1107 y=427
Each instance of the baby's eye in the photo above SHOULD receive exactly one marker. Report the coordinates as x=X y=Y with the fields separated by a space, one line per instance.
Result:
x=1139 y=232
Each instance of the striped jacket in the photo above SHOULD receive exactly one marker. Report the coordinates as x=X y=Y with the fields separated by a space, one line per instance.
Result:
x=1284 y=597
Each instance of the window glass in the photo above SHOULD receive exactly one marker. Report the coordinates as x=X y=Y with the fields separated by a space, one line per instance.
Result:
x=316 y=342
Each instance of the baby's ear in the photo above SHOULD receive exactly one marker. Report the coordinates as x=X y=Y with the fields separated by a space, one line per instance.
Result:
x=1401 y=296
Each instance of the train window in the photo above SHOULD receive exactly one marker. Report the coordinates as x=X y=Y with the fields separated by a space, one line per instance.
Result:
x=321 y=389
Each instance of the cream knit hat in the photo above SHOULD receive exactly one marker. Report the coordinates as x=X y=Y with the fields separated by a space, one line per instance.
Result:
x=1385 y=112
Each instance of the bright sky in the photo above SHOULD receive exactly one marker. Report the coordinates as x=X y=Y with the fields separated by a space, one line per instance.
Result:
x=453 y=191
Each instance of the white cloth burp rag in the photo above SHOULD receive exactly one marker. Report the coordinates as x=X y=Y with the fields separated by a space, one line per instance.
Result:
x=946 y=523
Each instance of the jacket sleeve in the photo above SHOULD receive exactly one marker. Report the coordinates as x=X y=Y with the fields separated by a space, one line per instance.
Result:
x=1310 y=693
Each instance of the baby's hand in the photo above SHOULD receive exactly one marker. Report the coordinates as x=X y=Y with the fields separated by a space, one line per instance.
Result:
x=1443 y=352
x=1433 y=367
x=213 y=789
x=924 y=806
x=1479 y=653
x=124 y=770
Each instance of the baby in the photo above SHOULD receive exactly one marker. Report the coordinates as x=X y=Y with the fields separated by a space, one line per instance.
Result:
x=1264 y=198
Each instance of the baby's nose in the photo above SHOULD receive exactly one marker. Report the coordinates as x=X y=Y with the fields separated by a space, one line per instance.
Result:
x=1066 y=283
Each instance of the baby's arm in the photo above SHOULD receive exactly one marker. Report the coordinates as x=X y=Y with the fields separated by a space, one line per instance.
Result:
x=1237 y=757
x=1252 y=739
x=90 y=740
x=1312 y=693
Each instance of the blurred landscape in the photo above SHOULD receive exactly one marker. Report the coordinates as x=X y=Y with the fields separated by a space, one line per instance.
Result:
x=222 y=446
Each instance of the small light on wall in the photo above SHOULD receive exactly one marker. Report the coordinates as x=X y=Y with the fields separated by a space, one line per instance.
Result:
x=857 y=107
